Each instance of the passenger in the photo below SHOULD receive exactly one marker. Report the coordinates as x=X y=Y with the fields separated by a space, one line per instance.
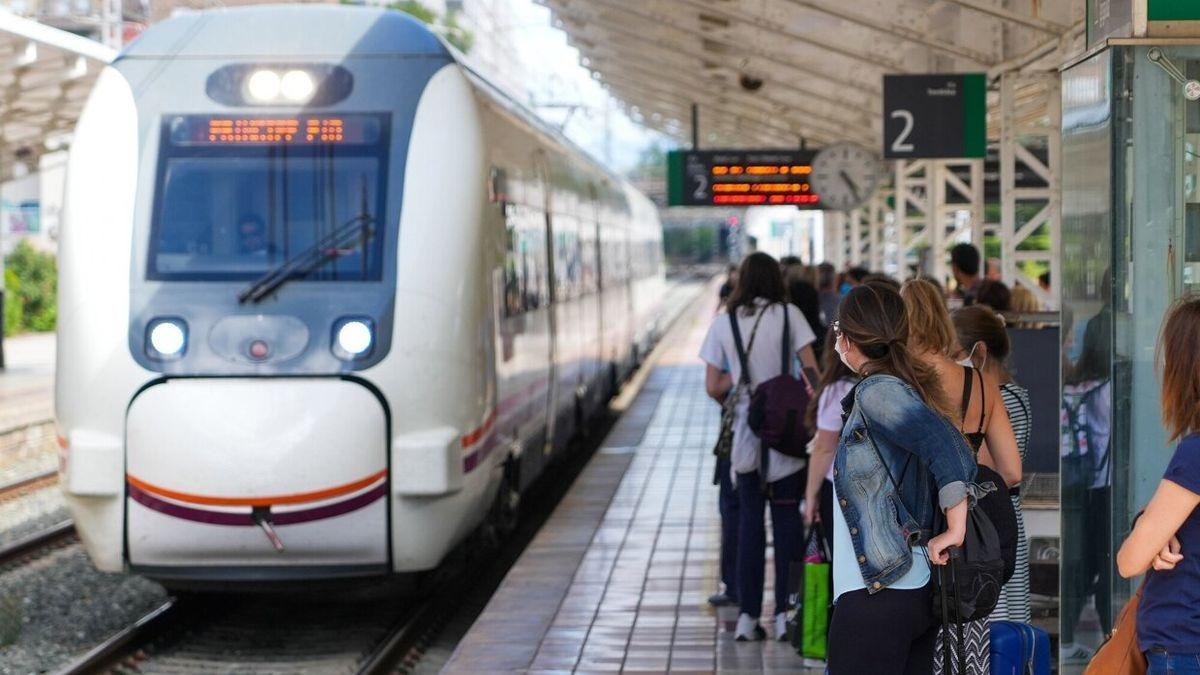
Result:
x=982 y=334
x=994 y=294
x=1024 y=301
x=804 y=296
x=880 y=278
x=883 y=619
x=828 y=292
x=994 y=270
x=731 y=275
x=857 y=275
x=825 y=415
x=964 y=264
x=1165 y=542
x=758 y=304
x=983 y=420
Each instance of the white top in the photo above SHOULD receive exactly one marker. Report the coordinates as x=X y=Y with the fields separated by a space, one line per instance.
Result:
x=847 y=575
x=829 y=411
x=763 y=357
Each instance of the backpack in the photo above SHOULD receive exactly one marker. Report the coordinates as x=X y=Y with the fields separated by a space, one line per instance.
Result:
x=777 y=406
x=976 y=573
x=724 y=445
x=1079 y=468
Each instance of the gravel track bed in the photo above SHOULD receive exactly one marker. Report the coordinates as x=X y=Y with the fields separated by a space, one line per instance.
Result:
x=59 y=606
x=30 y=512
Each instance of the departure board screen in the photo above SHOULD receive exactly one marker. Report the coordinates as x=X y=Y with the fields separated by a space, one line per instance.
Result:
x=741 y=178
x=210 y=130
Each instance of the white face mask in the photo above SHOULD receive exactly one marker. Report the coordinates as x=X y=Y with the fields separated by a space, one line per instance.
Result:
x=970 y=360
x=837 y=347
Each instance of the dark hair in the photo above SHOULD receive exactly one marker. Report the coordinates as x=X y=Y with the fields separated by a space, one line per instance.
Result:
x=826 y=275
x=789 y=260
x=833 y=369
x=1044 y=278
x=966 y=258
x=880 y=278
x=874 y=318
x=1179 y=357
x=758 y=277
x=858 y=274
x=994 y=294
x=978 y=323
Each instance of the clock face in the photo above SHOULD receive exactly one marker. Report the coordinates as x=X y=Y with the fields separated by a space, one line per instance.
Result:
x=845 y=176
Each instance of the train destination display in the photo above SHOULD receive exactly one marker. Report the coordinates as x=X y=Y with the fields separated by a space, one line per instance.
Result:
x=741 y=178
x=298 y=130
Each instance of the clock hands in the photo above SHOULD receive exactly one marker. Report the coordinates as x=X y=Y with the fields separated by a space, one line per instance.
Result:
x=850 y=184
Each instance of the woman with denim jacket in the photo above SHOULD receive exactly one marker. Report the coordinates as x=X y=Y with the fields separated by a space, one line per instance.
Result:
x=898 y=448
x=1165 y=542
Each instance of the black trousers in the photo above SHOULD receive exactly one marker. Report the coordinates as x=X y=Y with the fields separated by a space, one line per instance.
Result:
x=890 y=633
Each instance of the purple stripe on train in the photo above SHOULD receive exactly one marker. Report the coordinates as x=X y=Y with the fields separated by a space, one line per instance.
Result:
x=244 y=520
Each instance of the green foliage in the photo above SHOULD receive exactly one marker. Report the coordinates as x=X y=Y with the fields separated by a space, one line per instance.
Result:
x=689 y=245
x=460 y=37
x=30 y=282
x=416 y=10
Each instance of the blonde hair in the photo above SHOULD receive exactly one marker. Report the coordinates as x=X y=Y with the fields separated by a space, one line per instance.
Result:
x=929 y=322
x=1023 y=300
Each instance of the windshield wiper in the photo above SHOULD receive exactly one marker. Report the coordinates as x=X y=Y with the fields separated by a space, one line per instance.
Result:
x=356 y=230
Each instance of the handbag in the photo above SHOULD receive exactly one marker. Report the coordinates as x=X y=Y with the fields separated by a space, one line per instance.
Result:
x=1120 y=654
x=724 y=444
x=812 y=581
x=777 y=406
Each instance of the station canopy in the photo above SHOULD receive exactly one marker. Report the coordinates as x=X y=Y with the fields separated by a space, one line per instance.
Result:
x=44 y=80
x=773 y=72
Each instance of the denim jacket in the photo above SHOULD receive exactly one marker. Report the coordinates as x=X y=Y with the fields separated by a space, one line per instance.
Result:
x=920 y=448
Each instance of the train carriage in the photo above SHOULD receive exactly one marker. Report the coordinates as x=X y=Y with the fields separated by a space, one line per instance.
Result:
x=328 y=300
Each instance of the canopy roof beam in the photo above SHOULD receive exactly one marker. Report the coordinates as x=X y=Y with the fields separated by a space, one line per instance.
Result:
x=1009 y=16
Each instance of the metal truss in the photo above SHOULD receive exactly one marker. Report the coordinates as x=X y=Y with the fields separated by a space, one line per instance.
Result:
x=937 y=203
x=1030 y=122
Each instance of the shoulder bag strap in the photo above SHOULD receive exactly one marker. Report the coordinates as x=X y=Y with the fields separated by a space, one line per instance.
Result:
x=786 y=367
x=968 y=384
x=737 y=343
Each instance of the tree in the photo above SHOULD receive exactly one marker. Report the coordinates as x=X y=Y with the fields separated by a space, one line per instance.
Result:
x=460 y=37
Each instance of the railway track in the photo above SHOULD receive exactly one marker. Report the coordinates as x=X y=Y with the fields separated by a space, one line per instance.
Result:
x=35 y=481
x=33 y=544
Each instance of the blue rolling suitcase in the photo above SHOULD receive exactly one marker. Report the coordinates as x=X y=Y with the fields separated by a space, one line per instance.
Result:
x=1019 y=649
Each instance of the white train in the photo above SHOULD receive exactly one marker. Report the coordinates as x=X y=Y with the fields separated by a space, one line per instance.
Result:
x=328 y=300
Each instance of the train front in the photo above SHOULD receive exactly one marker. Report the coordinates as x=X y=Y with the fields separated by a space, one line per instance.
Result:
x=227 y=296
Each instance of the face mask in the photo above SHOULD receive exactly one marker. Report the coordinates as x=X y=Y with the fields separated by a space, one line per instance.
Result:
x=970 y=360
x=837 y=347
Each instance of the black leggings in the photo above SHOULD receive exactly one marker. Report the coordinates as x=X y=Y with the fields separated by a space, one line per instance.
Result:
x=891 y=632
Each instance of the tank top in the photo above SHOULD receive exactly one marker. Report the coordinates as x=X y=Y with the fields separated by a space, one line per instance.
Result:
x=975 y=439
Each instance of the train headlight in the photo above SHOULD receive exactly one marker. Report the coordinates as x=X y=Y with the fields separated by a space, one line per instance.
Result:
x=297 y=86
x=353 y=338
x=166 y=338
x=264 y=85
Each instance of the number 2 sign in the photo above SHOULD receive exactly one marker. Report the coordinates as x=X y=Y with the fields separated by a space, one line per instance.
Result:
x=934 y=116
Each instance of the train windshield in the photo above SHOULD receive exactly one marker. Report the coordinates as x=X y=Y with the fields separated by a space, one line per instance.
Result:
x=238 y=198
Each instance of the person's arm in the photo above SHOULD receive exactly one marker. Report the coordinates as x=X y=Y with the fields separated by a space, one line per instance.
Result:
x=1000 y=450
x=1155 y=529
x=717 y=383
x=897 y=412
x=808 y=359
x=956 y=531
x=819 y=461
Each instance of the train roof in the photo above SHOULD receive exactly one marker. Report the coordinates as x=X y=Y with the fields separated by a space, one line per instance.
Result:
x=341 y=31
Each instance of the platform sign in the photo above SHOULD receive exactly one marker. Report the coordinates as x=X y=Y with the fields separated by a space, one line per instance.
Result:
x=934 y=116
x=741 y=178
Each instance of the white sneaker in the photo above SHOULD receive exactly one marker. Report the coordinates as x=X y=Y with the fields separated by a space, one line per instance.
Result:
x=781 y=620
x=748 y=629
x=1074 y=654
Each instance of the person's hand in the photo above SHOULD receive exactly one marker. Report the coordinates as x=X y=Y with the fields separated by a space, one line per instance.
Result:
x=938 y=545
x=811 y=513
x=1169 y=556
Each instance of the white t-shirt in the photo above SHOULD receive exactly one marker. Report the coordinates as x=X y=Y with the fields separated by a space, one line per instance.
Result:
x=764 y=357
x=829 y=411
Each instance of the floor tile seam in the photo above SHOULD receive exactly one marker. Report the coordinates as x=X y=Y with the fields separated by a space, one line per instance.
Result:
x=686 y=557
x=645 y=581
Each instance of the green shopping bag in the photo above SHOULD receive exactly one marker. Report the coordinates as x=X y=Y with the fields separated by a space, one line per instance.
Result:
x=815 y=608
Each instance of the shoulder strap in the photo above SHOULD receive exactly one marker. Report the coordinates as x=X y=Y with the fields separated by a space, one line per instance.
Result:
x=737 y=343
x=968 y=383
x=785 y=368
x=983 y=409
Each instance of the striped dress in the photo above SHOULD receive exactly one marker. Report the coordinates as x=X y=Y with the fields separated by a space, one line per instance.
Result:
x=1014 y=598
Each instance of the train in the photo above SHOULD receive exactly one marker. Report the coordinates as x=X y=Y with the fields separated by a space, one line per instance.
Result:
x=329 y=300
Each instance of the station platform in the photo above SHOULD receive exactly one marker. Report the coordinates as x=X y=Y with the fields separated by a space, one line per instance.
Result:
x=618 y=577
x=27 y=381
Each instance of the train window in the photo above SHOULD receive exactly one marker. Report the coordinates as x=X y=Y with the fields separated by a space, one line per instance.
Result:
x=235 y=211
x=524 y=262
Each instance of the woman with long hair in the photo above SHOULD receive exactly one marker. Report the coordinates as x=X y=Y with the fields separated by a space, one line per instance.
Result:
x=746 y=339
x=981 y=415
x=1166 y=536
x=825 y=415
x=982 y=334
x=898 y=448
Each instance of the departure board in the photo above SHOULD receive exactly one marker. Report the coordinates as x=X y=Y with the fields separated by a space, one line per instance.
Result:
x=208 y=130
x=741 y=178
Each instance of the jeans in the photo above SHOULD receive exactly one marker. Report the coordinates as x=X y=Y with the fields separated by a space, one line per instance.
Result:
x=1165 y=663
x=728 y=504
x=890 y=633
x=752 y=538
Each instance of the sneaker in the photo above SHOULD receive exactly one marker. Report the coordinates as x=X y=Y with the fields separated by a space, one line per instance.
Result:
x=814 y=664
x=1073 y=654
x=748 y=630
x=721 y=600
x=781 y=626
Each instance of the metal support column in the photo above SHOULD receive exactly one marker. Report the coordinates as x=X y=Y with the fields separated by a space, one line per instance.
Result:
x=1030 y=118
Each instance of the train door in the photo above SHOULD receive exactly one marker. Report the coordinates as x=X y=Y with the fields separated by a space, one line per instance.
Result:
x=599 y=355
x=543 y=174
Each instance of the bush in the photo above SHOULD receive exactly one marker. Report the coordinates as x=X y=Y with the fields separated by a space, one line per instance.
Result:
x=30 y=283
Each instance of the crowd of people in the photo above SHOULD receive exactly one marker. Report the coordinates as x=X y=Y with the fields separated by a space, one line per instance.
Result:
x=911 y=403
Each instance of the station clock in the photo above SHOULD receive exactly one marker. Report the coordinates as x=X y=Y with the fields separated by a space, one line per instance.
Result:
x=845 y=175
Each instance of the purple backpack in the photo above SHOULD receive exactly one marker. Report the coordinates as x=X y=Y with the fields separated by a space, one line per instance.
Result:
x=778 y=406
